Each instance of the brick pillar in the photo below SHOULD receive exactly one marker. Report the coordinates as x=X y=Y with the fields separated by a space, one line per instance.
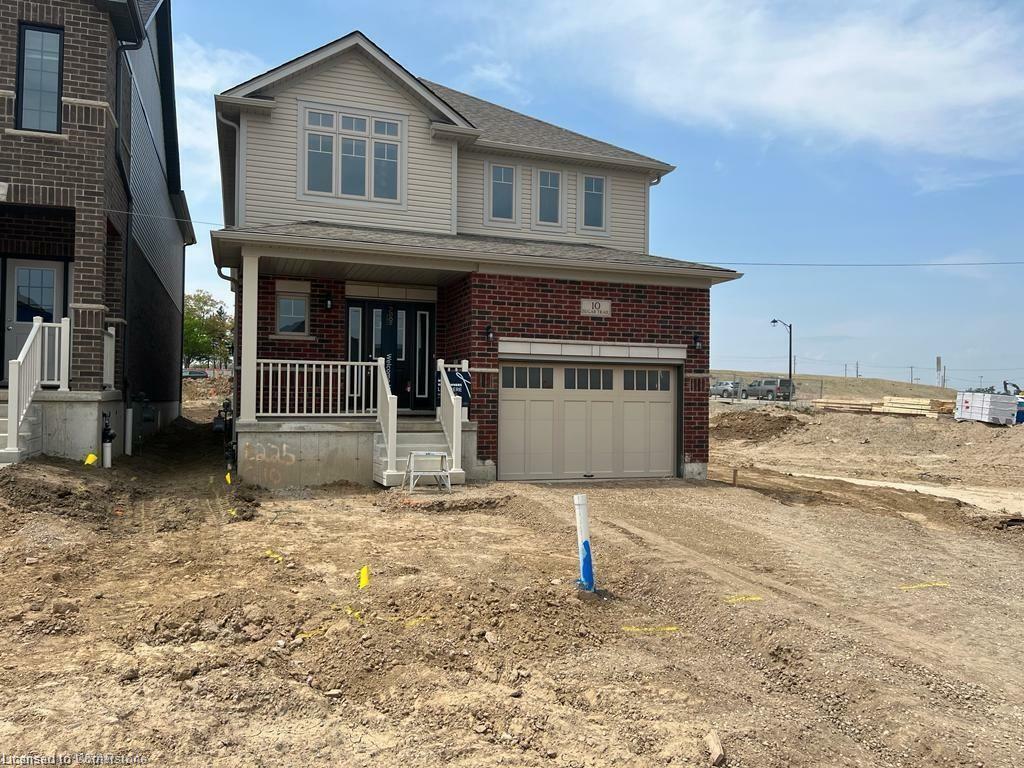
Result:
x=88 y=293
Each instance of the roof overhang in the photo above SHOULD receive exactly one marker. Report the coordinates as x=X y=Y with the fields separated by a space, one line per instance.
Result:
x=652 y=166
x=125 y=17
x=228 y=249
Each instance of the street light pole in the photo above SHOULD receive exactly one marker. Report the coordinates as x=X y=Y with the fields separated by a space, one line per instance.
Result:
x=789 y=329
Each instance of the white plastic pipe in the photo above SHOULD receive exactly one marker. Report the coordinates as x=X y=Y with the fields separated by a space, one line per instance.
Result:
x=586 y=581
x=107 y=455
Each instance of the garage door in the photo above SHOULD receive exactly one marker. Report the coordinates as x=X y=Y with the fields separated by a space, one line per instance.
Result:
x=585 y=421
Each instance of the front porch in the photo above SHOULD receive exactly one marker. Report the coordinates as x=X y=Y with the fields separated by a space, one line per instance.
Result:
x=340 y=373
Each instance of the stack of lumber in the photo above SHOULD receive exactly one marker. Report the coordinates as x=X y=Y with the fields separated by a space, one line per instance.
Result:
x=913 y=406
x=846 y=406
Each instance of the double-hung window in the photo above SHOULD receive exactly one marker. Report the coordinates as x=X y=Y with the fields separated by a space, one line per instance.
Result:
x=549 y=197
x=40 y=60
x=594 y=203
x=502 y=192
x=361 y=152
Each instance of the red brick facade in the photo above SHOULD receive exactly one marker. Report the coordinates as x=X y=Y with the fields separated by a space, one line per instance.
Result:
x=524 y=307
x=545 y=308
x=67 y=170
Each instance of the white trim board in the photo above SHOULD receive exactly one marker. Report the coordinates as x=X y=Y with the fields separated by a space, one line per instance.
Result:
x=555 y=349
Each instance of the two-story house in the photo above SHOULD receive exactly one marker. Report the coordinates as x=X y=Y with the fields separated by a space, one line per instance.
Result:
x=93 y=224
x=381 y=227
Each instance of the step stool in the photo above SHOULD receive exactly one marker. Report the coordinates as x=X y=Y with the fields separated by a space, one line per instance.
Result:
x=441 y=470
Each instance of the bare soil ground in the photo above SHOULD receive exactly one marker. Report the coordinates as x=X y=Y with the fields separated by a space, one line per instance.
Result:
x=155 y=610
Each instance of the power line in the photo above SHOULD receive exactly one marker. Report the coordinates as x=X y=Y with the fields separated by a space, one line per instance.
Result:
x=813 y=264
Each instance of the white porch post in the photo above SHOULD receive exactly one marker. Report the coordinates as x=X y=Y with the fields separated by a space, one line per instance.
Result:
x=65 y=353
x=250 y=294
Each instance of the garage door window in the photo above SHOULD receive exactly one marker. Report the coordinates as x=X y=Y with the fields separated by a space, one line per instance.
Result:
x=646 y=381
x=589 y=378
x=527 y=377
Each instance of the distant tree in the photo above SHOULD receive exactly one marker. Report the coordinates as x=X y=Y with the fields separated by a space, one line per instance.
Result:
x=208 y=330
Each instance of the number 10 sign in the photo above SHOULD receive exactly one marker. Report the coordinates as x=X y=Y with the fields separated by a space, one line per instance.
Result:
x=595 y=308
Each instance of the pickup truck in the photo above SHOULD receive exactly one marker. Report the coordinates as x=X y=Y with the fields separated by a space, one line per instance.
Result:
x=769 y=389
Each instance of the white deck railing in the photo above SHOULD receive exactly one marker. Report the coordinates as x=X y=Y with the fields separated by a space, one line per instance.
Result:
x=449 y=413
x=316 y=388
x=109 y=352
x=45 y=358
x=387 y=415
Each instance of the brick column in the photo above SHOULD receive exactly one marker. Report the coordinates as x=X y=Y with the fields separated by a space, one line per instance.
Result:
x=88 y=292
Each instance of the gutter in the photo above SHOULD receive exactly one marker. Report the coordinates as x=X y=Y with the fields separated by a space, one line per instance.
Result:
x=712 y=274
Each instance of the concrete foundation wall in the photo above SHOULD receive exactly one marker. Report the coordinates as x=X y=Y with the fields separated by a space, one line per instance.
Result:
x=289 y=454
x=72 y=422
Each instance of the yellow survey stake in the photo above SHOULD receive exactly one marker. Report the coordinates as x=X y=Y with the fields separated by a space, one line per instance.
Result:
x=364 y=577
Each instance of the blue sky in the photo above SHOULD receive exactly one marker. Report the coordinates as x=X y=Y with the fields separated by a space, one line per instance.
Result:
x=839 y=133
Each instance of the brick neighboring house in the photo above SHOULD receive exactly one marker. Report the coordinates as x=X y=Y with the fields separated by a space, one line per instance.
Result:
x=93 y=223
x=388 y=235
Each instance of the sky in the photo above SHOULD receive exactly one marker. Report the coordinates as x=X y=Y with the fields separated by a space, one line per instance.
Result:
x=807 y=133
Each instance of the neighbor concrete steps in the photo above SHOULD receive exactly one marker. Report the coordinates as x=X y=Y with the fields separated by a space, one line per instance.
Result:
x=30 y=438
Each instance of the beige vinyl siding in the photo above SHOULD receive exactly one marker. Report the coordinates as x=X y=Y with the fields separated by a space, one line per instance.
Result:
x=271 y=166
x=626 y=207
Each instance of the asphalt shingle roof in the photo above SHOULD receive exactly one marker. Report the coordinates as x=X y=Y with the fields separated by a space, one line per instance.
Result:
x=498 y=123
x=498 y=246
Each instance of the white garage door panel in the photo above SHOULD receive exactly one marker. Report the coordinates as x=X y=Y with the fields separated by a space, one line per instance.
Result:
x=585 y=420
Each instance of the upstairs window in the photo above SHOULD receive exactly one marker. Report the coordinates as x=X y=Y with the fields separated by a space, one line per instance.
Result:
x=594 y=202
x=503 y=183
x=352 y=149
x=40 y=53
x=320 y=163
x=549 y=197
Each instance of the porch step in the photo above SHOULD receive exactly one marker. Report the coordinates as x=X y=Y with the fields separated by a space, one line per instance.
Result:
x=425 y=440
x=30 y=438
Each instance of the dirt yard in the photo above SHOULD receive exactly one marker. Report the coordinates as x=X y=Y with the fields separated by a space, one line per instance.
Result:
x=154 y=610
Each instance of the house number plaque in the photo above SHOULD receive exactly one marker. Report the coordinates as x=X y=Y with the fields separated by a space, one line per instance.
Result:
x=595 y=308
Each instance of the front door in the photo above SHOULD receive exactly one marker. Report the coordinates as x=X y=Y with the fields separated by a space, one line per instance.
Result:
x=402 y=333
x=34 y=289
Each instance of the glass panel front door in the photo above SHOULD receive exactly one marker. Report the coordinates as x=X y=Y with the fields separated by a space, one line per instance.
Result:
x=33 y=289
x=403 y=334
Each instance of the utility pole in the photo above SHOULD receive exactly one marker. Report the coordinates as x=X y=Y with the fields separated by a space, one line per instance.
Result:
x=911 y=374
x=857 y=364
x=845 y=367
x=789 y=327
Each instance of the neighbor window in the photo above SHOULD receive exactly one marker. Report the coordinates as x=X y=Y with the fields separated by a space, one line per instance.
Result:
x=319 y=163
x=39 y=78
x=593 y=202
x=367 y=168
x=292 y=314
x=503 y=183
x=549 y=197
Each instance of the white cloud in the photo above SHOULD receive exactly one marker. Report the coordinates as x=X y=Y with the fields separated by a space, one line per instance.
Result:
x=485 y=71
x=942 y=78
x=199 y=73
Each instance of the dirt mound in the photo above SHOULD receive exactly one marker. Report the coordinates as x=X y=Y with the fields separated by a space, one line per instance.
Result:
x=64 y=490
x=754 y=426
x=399 y=501
x=206 y=389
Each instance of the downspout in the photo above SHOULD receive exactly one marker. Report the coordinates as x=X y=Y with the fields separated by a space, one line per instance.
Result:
x=235 y=285
x=120 y=54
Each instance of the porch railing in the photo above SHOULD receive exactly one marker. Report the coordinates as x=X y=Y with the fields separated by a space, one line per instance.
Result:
x=387 y=415
x=449 y=413
x=45 y=358
x=317 y=388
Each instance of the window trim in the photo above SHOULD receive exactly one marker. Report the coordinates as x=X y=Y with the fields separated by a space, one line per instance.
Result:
x=536 y=223
x=277 y=314
x=517 y=177
x=367 y=200
x=581 y=202
x=24 y=26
